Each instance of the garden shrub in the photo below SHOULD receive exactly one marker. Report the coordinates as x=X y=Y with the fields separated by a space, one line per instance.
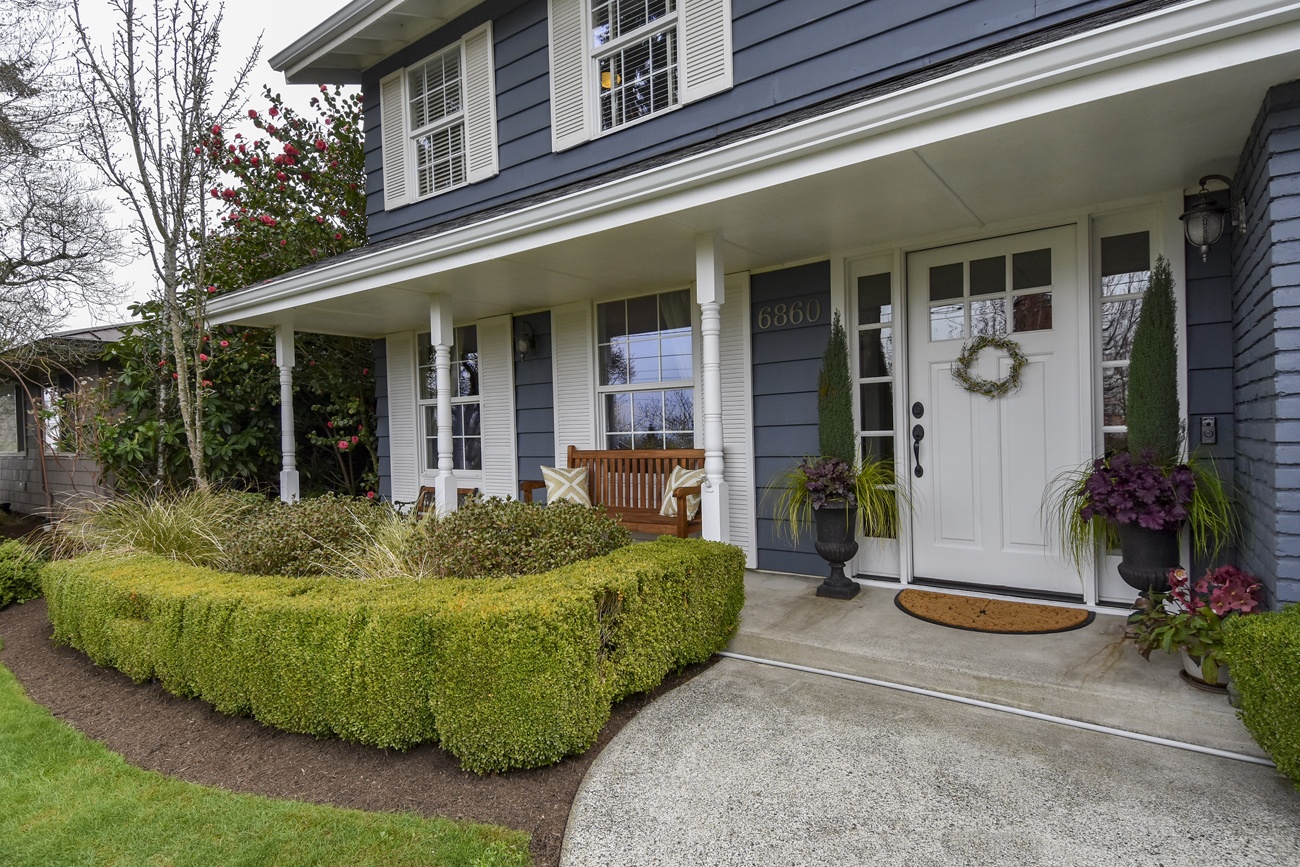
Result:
x=493 y=538
x=19 y=573
x=192 y=525
x=503 y=672
x=1263 y=651
x=310 y=537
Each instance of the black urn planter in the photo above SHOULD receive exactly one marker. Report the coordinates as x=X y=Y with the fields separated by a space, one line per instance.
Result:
x=836 y=543
x=1148 y=557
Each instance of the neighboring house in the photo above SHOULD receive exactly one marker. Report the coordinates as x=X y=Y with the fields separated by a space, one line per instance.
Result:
x=664 y=202
x=38 y=472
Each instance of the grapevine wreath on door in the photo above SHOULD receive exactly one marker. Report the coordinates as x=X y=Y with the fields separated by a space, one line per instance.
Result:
x=989 y=387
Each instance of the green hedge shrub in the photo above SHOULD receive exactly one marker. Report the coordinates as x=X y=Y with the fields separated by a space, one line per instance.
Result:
x=494 y=538
x=1263 y=651
x=504 y=673
x=19 y=573
x=310 y=537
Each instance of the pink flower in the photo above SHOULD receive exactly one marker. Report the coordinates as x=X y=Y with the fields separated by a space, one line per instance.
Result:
x=212 y=288
x=198 y=150
x=207 y=382
x=370 y=495
x=283 y=242
x=291 y=150
x=203 y=357
x=329 y=424
x=320 y=144
x=281 y=176
x=356 y=440
x=365 y=370
x=252 y=113
x=360 y=427
x=216 y=130
x=224 y=343
x=174 y=376
x=320 y=219
x=162 y=363
x=273 y=111
x=338 y=236
x=343 y=445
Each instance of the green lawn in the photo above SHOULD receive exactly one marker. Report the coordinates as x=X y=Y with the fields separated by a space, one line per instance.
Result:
x=66 y=800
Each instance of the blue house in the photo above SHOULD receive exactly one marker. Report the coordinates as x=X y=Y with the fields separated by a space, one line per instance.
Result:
x=628 y=224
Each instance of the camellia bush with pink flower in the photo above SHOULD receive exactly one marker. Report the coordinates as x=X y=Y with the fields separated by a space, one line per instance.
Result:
x=292 y=194
x=1192 y=614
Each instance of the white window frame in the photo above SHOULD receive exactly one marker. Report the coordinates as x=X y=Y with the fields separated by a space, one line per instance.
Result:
x=12 y=394
x=440 y=125
x=674 y=21
x=429 y=473
x=603 y=432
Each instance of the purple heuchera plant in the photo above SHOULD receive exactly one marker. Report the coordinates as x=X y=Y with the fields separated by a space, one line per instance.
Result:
x=1124 y=489
x=828 y=479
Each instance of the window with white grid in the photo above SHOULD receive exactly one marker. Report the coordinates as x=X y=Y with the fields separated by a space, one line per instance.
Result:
x=436 y=118
x=634 y=45
x=1125 y=275
x=466 y=432
x=646 y=377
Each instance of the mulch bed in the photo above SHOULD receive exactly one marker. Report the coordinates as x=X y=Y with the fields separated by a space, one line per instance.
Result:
x=189 y=740
x=16 y=526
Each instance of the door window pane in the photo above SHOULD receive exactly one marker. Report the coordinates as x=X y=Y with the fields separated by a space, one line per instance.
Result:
x=988 y=318
x=878 y=448
x=947 y=322
x=1032 y=269
x=1119 y=321
x=874 y=299
x=1114 y=396
x=875 y=352
x=946 y=281
x=1125 y=254
x=877 y=399
x=988 y=276
x=1032 y=312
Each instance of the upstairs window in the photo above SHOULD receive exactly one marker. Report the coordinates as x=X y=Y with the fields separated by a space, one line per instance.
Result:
x=635 y=49
x=616 y=62
x=438 y=121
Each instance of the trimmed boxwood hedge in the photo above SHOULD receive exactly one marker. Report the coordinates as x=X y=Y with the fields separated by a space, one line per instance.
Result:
x=503 y=673
x=1263 y=651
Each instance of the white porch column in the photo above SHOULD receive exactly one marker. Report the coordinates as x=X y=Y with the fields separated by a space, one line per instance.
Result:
x=441 y=336
x=710 y=293
x=284 y=359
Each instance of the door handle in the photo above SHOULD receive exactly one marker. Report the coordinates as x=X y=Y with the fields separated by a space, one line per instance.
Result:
x=918 y=434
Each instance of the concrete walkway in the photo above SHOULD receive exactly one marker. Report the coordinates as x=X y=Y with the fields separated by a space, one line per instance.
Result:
x=750 y=764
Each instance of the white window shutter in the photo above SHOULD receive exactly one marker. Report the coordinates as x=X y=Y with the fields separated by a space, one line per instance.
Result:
x=392 y=139
x=737 y=412
x=480 y=105
x=568 y=49
x=403 y=421
x=574 y=362
x=706 y=48
x=496 y=383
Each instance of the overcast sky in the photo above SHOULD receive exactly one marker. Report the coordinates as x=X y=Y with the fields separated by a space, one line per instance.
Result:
x=279 y=24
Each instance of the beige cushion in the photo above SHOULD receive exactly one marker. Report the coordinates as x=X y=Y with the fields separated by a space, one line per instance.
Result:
x=566 y=484
x=681 y=477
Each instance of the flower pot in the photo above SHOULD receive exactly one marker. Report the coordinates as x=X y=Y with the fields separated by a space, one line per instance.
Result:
x=836 y=543
x=1193 y=674
x=1148 y=557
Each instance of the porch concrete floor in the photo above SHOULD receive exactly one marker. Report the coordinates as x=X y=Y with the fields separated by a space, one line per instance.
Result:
x=1087 y=674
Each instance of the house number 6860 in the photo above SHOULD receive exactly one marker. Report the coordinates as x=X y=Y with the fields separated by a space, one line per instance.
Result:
x=789 y=314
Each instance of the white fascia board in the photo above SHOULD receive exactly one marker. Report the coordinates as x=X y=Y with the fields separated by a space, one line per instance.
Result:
x=1166 y=45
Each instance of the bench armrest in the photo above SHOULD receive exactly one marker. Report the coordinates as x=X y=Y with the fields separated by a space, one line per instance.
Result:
x=527 y=487
x=680 y=495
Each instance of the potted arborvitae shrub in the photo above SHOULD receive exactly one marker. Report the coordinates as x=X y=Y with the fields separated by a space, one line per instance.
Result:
x=1146 y=494
x=844 y=496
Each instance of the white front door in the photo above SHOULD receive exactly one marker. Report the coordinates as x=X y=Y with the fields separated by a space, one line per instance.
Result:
x=981 y=464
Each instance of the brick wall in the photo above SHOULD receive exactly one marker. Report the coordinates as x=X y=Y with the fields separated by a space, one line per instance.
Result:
x=1266 y=345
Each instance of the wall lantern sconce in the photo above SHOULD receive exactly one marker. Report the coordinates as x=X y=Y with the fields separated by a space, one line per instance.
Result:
x=525 y=340
x=1205 y=220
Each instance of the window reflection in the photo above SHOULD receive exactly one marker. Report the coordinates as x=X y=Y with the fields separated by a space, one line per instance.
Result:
x=646 y=341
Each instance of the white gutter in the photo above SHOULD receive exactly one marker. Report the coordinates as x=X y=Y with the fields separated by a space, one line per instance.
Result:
x=1002 y=708
x=1165 y=45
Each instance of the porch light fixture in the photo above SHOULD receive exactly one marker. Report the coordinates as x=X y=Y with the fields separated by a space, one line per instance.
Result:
x=1205 y=220
x=525 y=340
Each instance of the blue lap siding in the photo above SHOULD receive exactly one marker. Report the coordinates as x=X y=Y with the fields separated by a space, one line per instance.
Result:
x=787 y=360
x=535 y=402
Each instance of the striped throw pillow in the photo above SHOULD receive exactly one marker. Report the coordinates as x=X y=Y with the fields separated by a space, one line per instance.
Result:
x=681 y=477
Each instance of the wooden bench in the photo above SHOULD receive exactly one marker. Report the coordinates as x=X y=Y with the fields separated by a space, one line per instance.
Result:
x=428 y=497
x=630 y=483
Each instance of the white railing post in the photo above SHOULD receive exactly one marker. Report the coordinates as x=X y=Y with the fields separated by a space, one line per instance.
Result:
x=710 y=294
x=441 y=336
x=284 y=359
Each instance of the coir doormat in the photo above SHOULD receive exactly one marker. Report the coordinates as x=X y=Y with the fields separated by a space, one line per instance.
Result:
x=990 y=615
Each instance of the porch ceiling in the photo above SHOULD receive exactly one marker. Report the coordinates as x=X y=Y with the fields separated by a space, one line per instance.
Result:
x=1139 y=143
